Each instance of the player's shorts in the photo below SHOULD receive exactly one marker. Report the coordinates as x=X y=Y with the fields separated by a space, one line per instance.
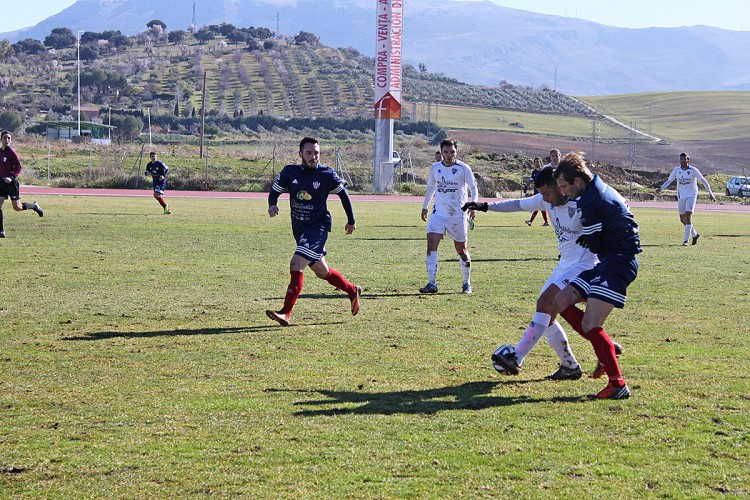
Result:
x=608 y=281
x=686 y=204
x=160 y=186
x=564 y=274
x=311 y=243
x=10 y=189
x=455 y=227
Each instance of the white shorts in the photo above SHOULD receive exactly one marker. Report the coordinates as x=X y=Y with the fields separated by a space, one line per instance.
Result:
x=455 y=227
x=686 y=204
x=565 y=273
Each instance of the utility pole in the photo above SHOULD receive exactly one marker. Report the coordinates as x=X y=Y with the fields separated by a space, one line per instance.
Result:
x=631 y=153
x=203 y=113
x=278 y=16
x=593 y=141
x=78 y=67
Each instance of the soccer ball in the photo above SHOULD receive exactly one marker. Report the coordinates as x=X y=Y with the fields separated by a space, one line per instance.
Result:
x=505 y=350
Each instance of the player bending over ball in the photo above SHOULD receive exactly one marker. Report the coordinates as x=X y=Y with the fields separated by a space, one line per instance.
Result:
x=574 y=259
x=610 y=232
x=309 y=185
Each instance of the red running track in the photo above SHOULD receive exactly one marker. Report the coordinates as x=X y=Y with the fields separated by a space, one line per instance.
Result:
x=138 y=193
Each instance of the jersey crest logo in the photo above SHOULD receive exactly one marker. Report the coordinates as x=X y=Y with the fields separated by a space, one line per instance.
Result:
x=604 y=283
x=304 y=195
x=571 y=212
x=454 y=171
x=295 y=181
x=316 y=185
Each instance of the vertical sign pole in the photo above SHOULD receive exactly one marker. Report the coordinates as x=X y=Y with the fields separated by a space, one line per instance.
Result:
x=389 y=30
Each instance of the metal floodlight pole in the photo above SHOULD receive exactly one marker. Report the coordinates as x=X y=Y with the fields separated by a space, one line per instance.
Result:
x=78 y=65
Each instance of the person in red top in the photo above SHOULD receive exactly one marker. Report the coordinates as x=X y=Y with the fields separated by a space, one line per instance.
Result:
x=10 y=169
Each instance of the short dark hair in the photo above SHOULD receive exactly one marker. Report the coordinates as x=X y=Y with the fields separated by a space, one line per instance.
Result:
x=571 y=166
x=449 y=143
x=307 y=140
x=152 y=153
x=6 y=132
x=545 y=178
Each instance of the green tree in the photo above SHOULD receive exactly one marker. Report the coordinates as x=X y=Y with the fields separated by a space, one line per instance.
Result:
x=6 y=50
x=156 y=22
x=305 y=37
x=9 y=121
x=60 y=38
x=128 y=128
x=176 y=36
x=28 y=46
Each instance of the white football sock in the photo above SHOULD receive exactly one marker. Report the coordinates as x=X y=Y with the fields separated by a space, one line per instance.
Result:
x=465 y=267
x=558 y=341
x=531 y=336
x=688 y=231
x=432 y=265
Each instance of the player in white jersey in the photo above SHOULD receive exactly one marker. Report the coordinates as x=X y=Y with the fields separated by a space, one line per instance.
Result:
x=449 y=181
x=687 y=178
x=574 y=259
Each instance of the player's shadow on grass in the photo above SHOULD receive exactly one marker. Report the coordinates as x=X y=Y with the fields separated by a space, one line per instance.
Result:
x=189 y=332
x=468 y=396
x=524 y=259
x=393 y=239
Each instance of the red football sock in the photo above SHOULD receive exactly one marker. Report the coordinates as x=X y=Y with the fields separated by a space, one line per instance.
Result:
x=336 y=279
x=605 y=352
x=293 y=291
x=161 y=202
x=574 y=316
x=544 y=216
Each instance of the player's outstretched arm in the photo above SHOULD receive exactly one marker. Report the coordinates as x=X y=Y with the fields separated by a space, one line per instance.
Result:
x=475 y=205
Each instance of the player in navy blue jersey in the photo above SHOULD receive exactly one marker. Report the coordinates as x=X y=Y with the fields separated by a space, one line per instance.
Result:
x=610 y=232
x=309 y=185
x=158 y=172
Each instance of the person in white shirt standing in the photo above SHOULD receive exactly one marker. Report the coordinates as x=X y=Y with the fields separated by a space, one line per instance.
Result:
x=687 y=178
x=449 y=181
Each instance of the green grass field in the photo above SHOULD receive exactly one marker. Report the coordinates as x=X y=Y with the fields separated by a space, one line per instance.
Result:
x=698 y=116
x=455 y=117
x=137 y=361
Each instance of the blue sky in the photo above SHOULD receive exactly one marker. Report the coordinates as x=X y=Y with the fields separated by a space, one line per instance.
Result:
x=728 y=14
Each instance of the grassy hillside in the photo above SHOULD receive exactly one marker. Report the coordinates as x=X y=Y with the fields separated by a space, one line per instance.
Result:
x=689 y=116
x=277 y=77
x=461 y=117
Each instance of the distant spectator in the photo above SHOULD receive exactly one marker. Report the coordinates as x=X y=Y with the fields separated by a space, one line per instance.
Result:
x=537 y=167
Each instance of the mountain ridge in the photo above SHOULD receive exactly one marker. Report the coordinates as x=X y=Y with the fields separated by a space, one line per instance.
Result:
x=483 y=43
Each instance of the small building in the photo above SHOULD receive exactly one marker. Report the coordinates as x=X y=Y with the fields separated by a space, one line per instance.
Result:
x=87 y=112
x=98 y=132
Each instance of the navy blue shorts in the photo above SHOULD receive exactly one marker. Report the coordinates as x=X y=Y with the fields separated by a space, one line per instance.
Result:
x=10 y=190
x=311 y=243
x=160 y=186
x=608 y=281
